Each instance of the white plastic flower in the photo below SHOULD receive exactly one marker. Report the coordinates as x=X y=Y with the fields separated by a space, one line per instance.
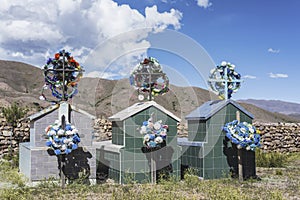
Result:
x=143 y=130
x=63 y=147
x=157 y=125
x=69 y=133
x=55 y=145
x=223 y=63
x=146 y=138
x=158 y=140
x=60 y=132
x=251 y=130
x=67 y=141
x=52 y=132
x=243 y=130
x=75 y=131
x=150 y=125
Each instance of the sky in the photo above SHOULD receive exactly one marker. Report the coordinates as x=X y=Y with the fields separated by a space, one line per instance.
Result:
x=188 y=37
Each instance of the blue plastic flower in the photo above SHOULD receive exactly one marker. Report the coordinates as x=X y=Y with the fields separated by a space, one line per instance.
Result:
x=145 y=123
x=57 y=152
x=67 y=151
x=151 y=144
x=74 y=146
x=48 y=143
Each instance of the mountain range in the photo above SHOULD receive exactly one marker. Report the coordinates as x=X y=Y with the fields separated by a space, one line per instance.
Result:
x=288 y=108
x=22 y=83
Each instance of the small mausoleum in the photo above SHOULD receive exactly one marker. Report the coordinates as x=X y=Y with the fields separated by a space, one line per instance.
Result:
x=123 y=158
x=38 y=162
x=207 y=150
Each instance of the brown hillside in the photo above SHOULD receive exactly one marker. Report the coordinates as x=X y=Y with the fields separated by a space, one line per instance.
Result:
x=22 y=83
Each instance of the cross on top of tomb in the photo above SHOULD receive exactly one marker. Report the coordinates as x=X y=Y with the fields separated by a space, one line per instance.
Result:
x=62 y=74
x=148 y=78
x=224 y=80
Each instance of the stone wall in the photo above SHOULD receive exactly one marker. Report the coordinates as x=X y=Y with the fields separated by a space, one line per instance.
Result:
x=10 y=140
x=280 y=137
x=102 y=129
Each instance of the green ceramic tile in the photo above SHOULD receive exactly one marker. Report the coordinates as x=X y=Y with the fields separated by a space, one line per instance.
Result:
x=139 y=166
x=218 y=162
x=128 y=156
x=130 y=131
x=129 y=122
x=218 y=152
x=127 y=166
x=208 y=163
x=129 y=142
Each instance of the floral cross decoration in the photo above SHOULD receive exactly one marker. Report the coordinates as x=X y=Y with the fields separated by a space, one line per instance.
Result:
x=62 y=141
x=243 y=134
x=155 y=133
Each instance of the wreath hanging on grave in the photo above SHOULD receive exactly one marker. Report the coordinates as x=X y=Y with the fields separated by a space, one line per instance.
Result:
x=155 y=134
x=148 y=76
x=62 y=141
x=243 y=134
x=219 y=73
x=54 y=75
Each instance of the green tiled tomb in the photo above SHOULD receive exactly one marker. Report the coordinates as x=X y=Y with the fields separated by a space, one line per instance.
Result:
x=123 y=155
x=207 y=150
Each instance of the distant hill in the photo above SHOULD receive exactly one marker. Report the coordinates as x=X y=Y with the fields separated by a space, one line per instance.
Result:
x=22 y=83
x=276 y=106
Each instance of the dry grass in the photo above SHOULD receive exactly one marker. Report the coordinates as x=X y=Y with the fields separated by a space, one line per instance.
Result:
x=276 y=183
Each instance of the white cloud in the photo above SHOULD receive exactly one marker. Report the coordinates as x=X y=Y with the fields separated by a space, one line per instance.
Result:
x=271 y=75
x=204 y=3
x=249 y=77
x=160 y=21
x=31 y=31
x=270 y=50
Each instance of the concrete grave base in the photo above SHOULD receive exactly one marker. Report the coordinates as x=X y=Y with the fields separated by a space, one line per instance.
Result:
x=38 y=163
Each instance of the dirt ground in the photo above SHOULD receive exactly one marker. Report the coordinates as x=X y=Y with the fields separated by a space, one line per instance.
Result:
x=286 y=180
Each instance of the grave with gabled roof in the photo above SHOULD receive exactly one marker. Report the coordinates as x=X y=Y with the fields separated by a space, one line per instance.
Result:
x=38 y=163
x=123 y=154
x=53 y=150
x=207 y=150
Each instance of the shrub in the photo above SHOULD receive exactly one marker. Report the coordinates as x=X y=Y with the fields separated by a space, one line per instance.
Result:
x=272 y=159
x=13 y=113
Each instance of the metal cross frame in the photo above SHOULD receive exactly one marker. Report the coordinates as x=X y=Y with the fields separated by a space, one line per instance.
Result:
x=150 y=74
x=64 y=70
x=226 y=81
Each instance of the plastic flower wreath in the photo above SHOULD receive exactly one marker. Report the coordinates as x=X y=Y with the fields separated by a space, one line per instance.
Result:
x=219 y=73
x=54 y=75
x=62 y=141
x=243 y=134
x=155 y=133
x=148 y=76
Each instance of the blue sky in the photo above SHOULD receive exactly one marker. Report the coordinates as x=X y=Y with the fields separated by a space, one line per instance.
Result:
x=261 y=37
